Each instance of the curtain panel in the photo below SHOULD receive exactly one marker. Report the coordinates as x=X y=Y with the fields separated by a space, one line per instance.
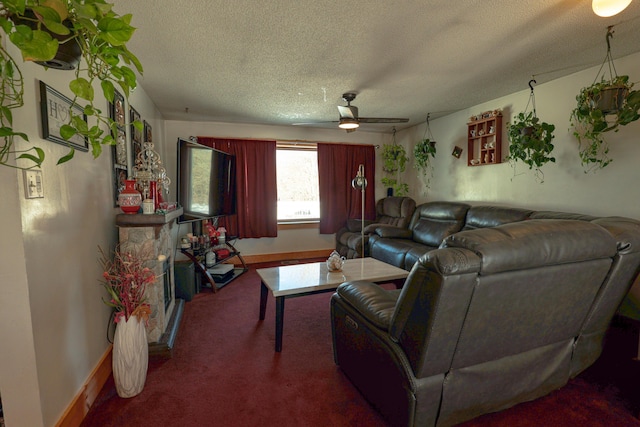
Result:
x=339 y=201
x=257 y=196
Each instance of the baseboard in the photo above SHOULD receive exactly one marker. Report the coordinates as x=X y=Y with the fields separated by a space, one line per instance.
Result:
x=285 y=256
x=81 y=404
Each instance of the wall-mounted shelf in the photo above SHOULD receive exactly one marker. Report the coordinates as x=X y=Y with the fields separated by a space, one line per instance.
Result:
x=484 y=139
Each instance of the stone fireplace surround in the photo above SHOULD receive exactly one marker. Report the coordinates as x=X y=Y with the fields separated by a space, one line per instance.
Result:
x=151 y=235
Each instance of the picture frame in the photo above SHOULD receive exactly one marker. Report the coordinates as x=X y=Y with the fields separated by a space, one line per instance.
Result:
x=55 y=109
x=457 y=152
x=118 y=111
x=119 y=176
x=148 y=135
x=136 y=135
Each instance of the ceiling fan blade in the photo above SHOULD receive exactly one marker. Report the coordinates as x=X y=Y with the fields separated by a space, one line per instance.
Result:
x=348 y=111
x=381 y=120
x=314 y=123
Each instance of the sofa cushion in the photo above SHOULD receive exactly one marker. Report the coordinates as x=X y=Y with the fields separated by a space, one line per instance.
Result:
x=492 y=216
x=433 y=221
x=546 y=242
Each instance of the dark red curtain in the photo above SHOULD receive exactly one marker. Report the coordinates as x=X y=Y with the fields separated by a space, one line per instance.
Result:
x=337 y=166
x=257 y=195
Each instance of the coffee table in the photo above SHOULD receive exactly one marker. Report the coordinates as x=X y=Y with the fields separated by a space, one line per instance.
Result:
x=297 y=280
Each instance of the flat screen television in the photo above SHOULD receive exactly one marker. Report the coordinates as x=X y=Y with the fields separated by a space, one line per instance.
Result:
x=206 y=181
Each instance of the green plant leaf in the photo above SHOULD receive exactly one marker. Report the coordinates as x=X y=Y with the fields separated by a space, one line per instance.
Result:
x=82 y=88
x=108 y=90
x=67 y=132
x=66 y=157
x=35 y=45
x=115 y=31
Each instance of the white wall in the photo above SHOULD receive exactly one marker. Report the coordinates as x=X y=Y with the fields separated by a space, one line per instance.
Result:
x=287 y=240
x=54 y=321
x=613 y=190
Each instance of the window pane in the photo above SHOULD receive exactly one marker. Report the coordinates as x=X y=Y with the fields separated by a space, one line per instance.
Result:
x=298 y=194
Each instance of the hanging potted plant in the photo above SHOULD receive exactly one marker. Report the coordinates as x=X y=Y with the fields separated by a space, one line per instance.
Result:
x=41 y=29
x=394 y=158
x=530 y=142
x=423 y=152
x=603 y=107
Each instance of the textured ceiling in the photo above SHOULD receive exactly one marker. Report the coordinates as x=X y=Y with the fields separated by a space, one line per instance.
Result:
x=283 y=61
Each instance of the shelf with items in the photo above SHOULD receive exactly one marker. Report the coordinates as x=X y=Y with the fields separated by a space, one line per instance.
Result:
x=484 y=139
x=198 y=257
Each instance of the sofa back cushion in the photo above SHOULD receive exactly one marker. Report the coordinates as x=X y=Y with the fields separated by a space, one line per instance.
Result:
x=537 y=282
x=433 y=221
x=492 y=216
x=395 y=211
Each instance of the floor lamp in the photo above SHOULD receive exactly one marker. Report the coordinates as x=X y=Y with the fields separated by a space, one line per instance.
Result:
x=360 y=183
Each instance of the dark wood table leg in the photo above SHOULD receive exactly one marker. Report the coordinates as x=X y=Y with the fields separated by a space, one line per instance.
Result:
x=279 y=322
x=264 y=292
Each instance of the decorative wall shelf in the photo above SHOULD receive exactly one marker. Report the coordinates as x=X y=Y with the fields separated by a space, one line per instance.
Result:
x=484 y=139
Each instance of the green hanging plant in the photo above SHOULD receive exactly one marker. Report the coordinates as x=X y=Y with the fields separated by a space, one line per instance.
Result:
x=394 y=158
x=530 y=139
x=42 y=29
x=603 y=107
x=423 y=153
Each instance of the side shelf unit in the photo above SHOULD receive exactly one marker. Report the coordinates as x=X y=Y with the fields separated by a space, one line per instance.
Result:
x=484 y=139
x=198 y=261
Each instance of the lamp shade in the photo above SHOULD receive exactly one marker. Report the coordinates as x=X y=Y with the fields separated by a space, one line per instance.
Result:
x=348 y=123
x=607 y=8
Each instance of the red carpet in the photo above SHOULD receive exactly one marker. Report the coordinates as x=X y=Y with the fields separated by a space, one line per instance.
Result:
x=224 y=372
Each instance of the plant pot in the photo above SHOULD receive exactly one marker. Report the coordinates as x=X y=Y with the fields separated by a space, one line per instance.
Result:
x=69 y=53
x=528 y=130
x=611 y=100
x=130 y=356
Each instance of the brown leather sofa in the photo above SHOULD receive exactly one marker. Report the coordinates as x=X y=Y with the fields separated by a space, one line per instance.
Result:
x=391 y=211
x=495 y=316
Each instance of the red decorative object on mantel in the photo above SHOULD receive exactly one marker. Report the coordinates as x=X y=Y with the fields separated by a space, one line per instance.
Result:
x=130 y=199
x=153 y=194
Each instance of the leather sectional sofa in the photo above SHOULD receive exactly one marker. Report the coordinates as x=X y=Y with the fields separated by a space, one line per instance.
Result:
x=501 y=306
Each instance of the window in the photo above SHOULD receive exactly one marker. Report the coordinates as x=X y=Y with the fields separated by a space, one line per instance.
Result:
x=297 y=176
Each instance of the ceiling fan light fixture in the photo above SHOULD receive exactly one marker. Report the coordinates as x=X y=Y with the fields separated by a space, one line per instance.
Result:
x=348 y=123
x=606 y=8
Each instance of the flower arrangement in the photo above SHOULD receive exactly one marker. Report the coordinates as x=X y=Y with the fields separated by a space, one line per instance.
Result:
x=126 y=280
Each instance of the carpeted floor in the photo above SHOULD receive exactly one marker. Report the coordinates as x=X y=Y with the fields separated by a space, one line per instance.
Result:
x=224 y=372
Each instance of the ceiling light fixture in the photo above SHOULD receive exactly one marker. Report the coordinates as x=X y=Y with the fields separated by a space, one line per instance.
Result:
x=348 y=123
x=606 y=8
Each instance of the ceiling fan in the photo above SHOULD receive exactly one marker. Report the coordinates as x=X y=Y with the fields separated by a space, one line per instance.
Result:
x=349 y=119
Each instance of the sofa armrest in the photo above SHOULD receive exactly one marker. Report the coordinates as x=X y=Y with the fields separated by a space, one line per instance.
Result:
x=390 y=231
x=373 y=302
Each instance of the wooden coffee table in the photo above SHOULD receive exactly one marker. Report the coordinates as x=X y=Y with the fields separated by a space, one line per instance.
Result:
x=297 y=280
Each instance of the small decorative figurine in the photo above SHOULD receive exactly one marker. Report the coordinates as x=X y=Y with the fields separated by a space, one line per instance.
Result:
x=335 y=261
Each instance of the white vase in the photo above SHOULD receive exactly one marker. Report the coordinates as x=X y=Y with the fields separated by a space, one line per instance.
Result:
x=130 y=356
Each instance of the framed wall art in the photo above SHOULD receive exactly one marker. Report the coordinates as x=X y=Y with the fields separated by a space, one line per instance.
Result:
x=136 y=135
x=148 y=134
x=120 y=151
x=55 y=111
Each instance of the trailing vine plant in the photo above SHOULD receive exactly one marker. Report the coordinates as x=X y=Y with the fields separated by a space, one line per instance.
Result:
x=530 y=139
x=602 y=107
x=423 y=153
x=34 y=27
x=395 y=160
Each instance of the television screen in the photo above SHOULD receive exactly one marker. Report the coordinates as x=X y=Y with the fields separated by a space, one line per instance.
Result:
x=206 y=181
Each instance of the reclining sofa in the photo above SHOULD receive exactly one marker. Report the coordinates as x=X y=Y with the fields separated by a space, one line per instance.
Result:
x=392 y=211
x=495 y=315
